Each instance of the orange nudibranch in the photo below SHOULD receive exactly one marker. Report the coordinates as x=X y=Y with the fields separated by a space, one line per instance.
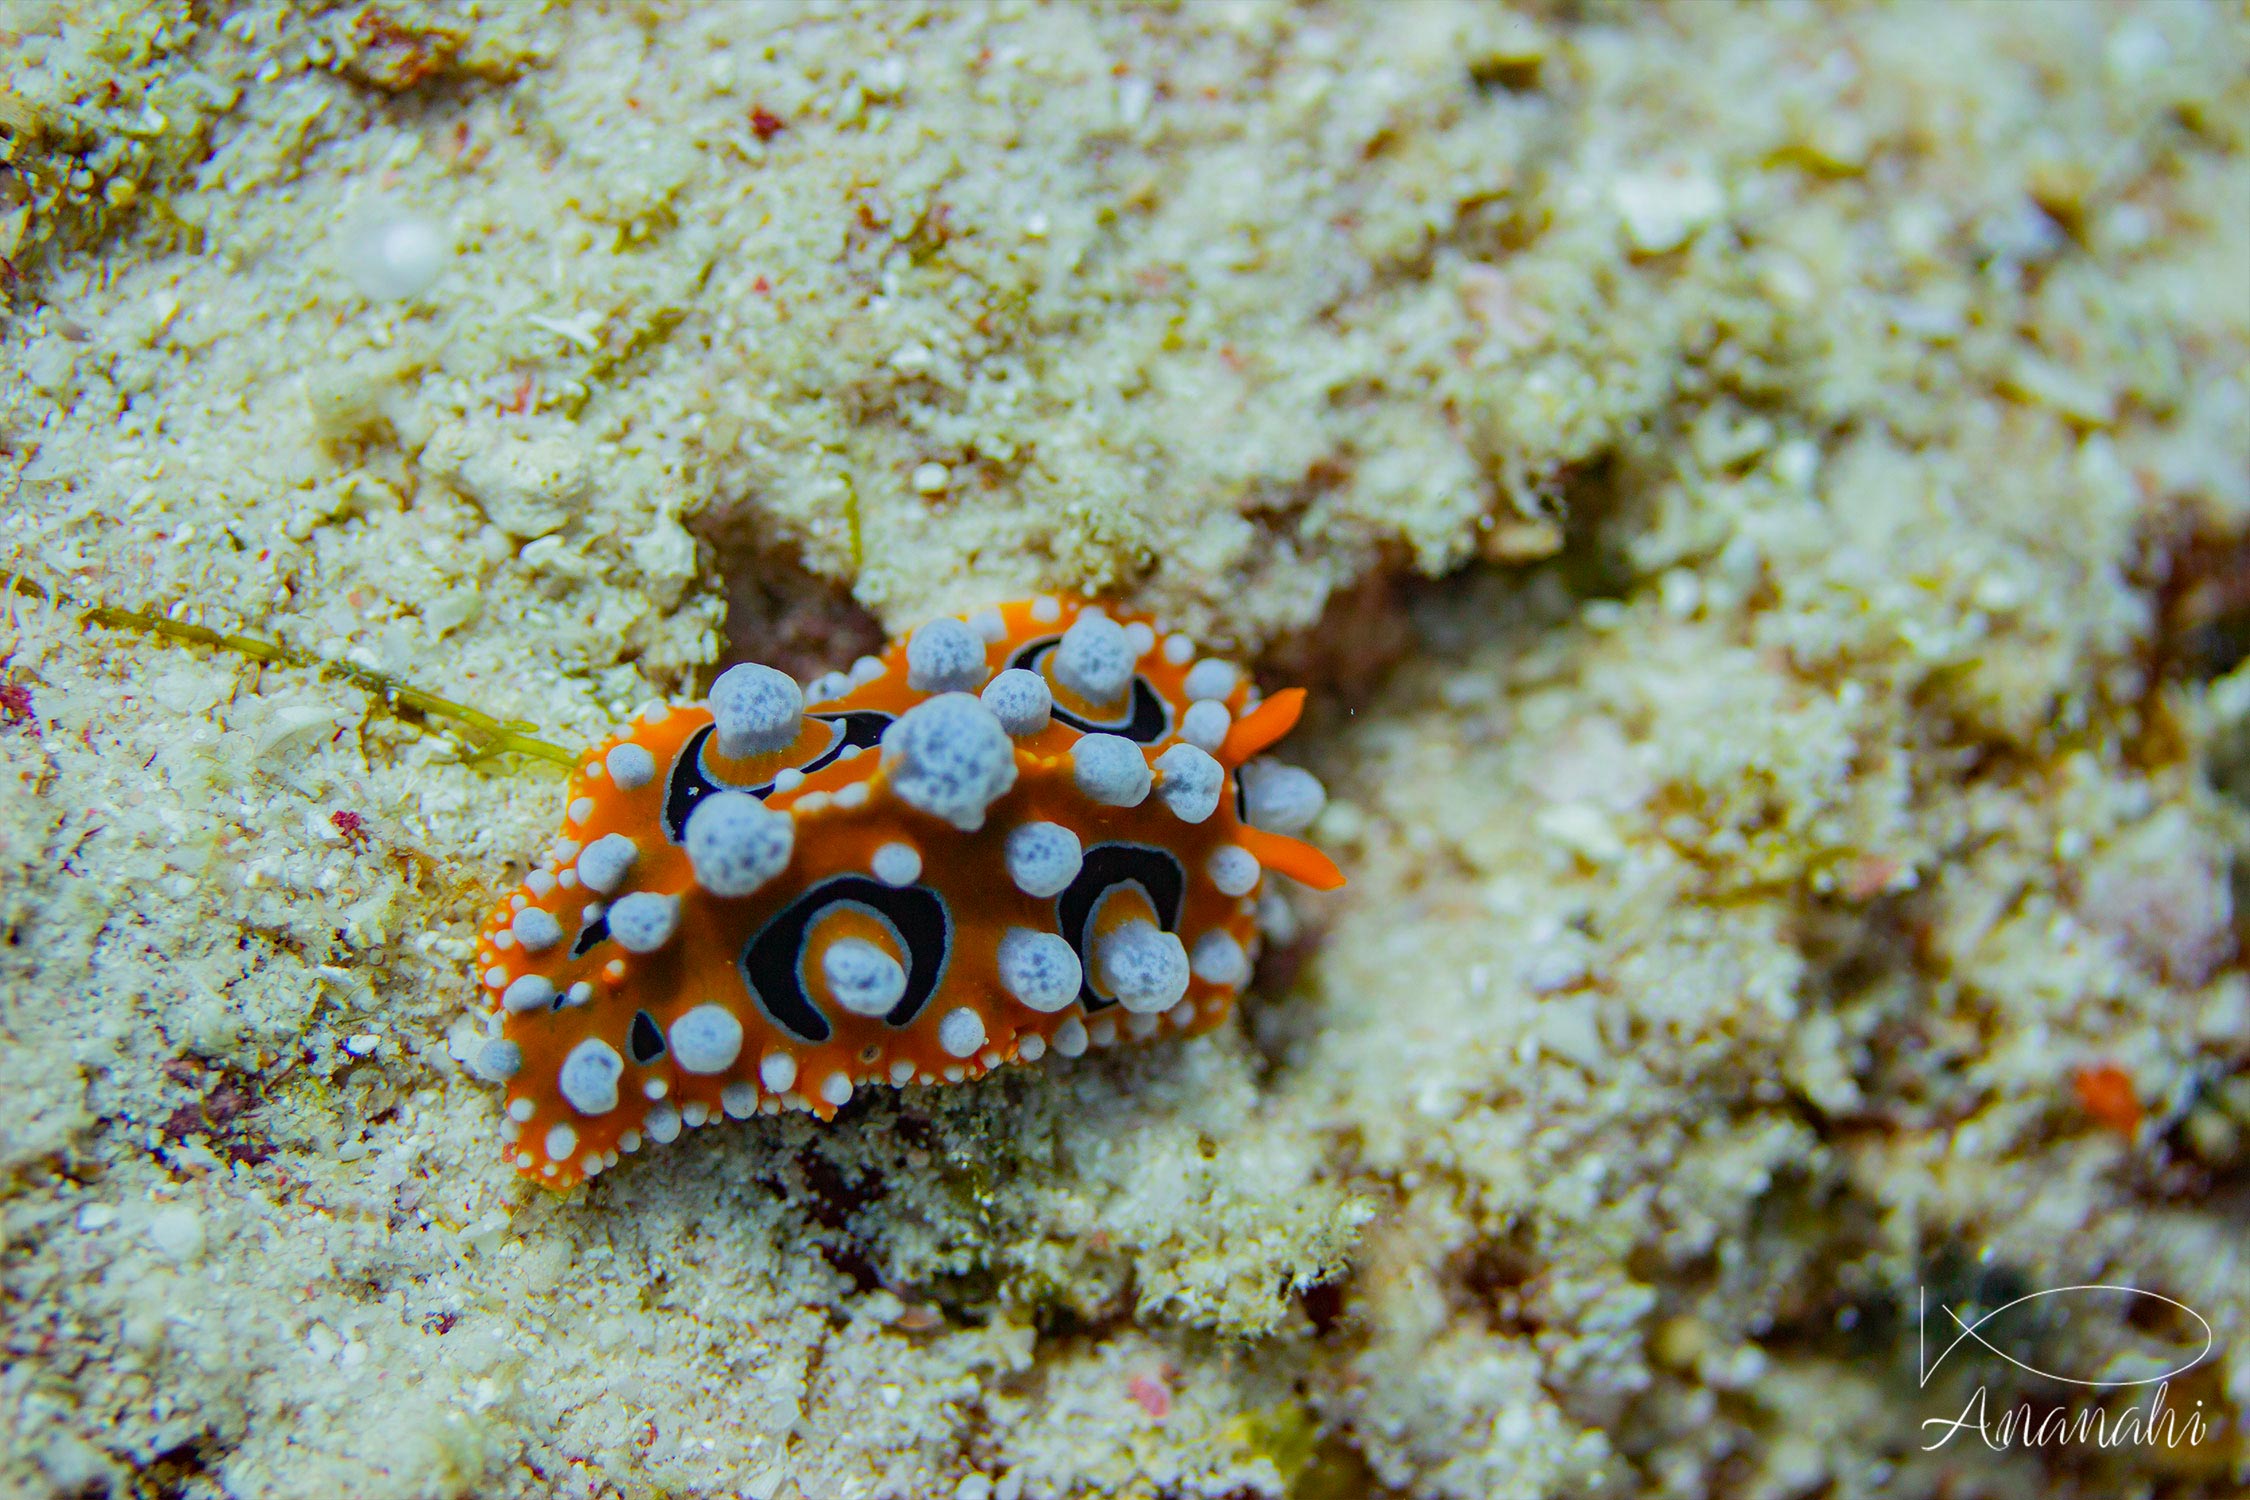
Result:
x=1036 y=828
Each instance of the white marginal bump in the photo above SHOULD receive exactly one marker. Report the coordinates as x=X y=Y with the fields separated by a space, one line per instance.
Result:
x=498 y=1060
x=536 y=928
x=961 y=1032
x=630 y=766
x=531 y=992
x=602 y=864
x=778 y=1072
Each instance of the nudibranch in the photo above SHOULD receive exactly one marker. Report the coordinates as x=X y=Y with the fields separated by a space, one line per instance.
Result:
x=1041 y=827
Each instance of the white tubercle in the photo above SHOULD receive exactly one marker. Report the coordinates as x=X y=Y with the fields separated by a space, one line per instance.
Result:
x=1191 y=782
x=498 y=1060
x=707 y=1039
x=949 y=757
x=644 y=921
x=1219 y=959
x=1095 y=659
x=602 y=864
x=945 y=656
x=1039 y=968
x=531 y=992
x=897 y=864
x=863 y=978
x=588 y=1078
x=961 y=1033
x=1284 y=799
x=1212 y=678
x=778 y=1072
x=1021 y=700
x=1042 y=858
x=536 y=928
x=736 y=843
x=1233 y=869
x=630 y=766
x=1205 y=724
x=1111 y=770
x=1145 y=967
x=756 y=710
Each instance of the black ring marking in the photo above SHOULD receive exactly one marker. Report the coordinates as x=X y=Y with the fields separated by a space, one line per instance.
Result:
x=1148 y=721
x=644 y=1043
x=1155 y=871
x=691 y=778
x=773 y=960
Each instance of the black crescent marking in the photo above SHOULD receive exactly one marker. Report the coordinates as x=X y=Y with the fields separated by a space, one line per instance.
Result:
x=1149 y=720
x=773 y=959
x=644 y=1043
x=596 y=931
x=691 y=779
x=1155 y=871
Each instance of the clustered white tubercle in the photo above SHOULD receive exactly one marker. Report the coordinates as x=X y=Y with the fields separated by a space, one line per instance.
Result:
x=951 y=756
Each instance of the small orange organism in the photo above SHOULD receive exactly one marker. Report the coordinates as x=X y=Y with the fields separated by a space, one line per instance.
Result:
x=2106 y=1092
x=1037 y=828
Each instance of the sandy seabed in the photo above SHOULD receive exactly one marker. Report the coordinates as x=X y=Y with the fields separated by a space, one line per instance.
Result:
x=1762 y=495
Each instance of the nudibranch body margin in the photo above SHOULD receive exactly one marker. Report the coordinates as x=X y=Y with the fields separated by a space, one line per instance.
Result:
x=1036 y=828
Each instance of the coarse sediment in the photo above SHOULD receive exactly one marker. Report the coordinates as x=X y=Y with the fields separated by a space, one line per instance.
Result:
x=1763 y=490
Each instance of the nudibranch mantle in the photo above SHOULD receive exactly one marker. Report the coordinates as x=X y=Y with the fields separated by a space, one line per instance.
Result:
x=1023 y=831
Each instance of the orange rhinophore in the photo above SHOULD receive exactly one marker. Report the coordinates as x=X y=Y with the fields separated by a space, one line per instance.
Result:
x=1038 y=828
